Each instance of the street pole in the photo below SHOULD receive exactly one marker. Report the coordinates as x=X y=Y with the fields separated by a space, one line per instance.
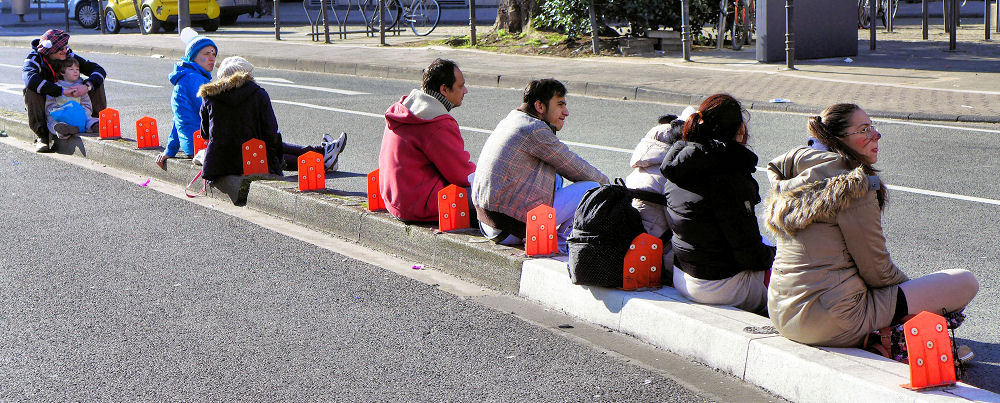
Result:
x=183 y=14
x=923 y=24
x=888 y=15
x=954 y=25
x=472 y=22
x=277 y=20
x=872 y=12
x=66 y=14
x=326 y=20
x=986 y=20
x=381 y=22
x=142 y=28
x=100 y=17
x=789 y=37
x=685 y=31
x=721 y=28
x=594 y=40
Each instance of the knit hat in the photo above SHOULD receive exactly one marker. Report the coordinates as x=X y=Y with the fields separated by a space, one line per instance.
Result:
x=232 y=65
x=53 y=41
x=195 y=43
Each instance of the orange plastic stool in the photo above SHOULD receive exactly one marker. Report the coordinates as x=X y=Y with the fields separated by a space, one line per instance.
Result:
x=540 y=231
x=312 y=173
x=146 y=134
x=110 y=124
x=929 y=348
x=375 y=202
x=453 y=208
x=643 y=263
x=199 y=142
x=254 y=157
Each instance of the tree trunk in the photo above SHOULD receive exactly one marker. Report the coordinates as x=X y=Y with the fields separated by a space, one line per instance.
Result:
x=514 y=16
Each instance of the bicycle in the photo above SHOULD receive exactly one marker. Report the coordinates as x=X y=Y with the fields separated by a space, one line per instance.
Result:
x=421 y=15
x=864 y=7
x=744 y=22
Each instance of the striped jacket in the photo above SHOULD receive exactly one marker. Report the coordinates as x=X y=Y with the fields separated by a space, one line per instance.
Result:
x=40 y=76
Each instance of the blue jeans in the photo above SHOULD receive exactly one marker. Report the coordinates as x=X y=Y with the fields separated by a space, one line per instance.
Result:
x=565 y=202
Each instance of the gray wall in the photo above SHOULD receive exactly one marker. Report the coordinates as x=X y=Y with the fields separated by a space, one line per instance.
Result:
x=823 y=28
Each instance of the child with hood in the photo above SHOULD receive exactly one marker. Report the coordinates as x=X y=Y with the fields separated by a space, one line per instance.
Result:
x=190 y=73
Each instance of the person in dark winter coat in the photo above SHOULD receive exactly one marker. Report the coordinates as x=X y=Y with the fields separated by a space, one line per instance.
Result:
x=190 y=73
x=719 y=255
x=40 y=74
x=235 y=110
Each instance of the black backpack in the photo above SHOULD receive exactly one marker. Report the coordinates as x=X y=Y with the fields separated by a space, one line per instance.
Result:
x=604 y=225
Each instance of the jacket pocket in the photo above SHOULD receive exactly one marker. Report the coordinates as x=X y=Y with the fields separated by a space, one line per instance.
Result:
x=845 y=311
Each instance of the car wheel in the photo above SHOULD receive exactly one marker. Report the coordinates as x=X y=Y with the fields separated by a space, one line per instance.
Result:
x=111 y=21
x=228 y=19
x=149 y=21
x=87 y=14
x=211 y=25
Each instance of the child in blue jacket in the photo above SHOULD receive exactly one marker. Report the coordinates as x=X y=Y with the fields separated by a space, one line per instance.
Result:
x=190 y=73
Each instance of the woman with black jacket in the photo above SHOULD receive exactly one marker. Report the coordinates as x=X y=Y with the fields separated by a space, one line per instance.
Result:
x=719 y=255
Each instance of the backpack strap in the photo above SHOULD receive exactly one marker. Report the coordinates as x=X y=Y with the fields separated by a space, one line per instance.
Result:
x=644 y=195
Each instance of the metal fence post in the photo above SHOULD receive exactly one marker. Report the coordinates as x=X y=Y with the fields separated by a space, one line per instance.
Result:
x=66 y=14
x=923 y=23
x=594 y=41
x=183 y=14
x=381 y=22
x=685 y=31
x=954 y=26
x=100 y=17
x=326 y=20
x=277 y=20
x=986 y=20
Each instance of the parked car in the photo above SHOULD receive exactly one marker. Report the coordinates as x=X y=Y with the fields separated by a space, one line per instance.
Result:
x=232 y=9
x=85 y=12
x=156 y=14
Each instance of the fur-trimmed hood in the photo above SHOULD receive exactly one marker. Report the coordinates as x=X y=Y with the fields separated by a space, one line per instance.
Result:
x=221 y=85
x=809 y=185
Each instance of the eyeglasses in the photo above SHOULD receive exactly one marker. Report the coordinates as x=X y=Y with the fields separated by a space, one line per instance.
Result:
x=871 y=133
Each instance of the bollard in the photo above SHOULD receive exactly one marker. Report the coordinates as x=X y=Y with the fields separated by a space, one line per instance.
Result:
x=472 y=23
x=199 y=142
x=953 y=34
x=312 y=173
x=540 y=231
x=643 y=263
x=873 y=12
x=375 y=201
x=453 y=208
x=146 y=135
x=986 y=20
x=110 y=124
x=923 y=23
x=685 y=30
x=254 y=157
x=594 y=40
x=929 y=348
x=790 y=37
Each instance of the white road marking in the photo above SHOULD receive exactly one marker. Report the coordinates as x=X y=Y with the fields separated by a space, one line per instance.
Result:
x=327 y=108
x=309 y=87
x=10 y=65
x=114 y=80
x=945 y=195
x=273 y=80
x=14 y=89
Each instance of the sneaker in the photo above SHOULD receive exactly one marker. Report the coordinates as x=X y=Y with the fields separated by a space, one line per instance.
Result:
x=41 y=146
x=332 y=150
x=199 y=157
x=964 y=354
x=327 y=138
x=95 y=128
x=65 y=130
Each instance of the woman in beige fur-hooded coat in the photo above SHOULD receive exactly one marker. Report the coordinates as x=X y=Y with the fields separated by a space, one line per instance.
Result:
x=833 y=281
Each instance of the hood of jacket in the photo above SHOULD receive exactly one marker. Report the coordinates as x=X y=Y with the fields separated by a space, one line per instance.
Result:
x=688 y=161
x=652 y=148
x=232 y=90
x=183 y=69
x=808 y=185
x=416 y=108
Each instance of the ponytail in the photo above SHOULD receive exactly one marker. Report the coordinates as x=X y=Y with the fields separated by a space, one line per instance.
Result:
x=830 y=127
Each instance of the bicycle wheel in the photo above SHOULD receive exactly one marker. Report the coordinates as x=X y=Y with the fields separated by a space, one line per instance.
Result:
x=423 y=16
x=864 y=19
x=390 y=14
x=741 y=25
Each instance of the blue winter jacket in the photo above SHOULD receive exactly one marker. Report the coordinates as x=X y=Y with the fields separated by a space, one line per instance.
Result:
x=187 y=78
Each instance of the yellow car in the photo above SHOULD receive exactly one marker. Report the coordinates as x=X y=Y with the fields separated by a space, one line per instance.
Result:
x=158 y=14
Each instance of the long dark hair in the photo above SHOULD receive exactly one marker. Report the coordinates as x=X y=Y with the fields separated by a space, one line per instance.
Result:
x=830 y=128
x=719 y=117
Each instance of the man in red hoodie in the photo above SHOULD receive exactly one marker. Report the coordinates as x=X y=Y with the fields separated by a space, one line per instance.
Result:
x=422 y=147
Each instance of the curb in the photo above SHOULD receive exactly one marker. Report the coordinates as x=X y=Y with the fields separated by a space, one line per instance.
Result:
x=464 y=254
x=590 y=89
x=723 y=338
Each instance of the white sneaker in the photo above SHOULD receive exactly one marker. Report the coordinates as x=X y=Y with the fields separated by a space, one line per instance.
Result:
x=199 y=157
x=41 y=146
x=332 y=150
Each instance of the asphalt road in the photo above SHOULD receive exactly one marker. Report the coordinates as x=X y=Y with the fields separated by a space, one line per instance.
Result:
x=925 y=232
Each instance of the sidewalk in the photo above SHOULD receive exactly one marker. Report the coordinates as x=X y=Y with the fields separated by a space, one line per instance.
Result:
x=905 y=78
